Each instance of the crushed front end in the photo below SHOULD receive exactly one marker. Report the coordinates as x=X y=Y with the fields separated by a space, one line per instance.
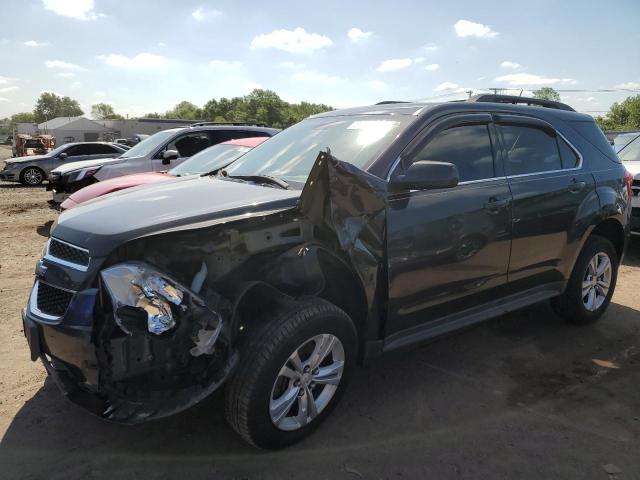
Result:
x=126 y=342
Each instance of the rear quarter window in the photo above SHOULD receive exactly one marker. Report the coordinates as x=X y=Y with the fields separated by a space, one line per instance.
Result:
x=592 y=133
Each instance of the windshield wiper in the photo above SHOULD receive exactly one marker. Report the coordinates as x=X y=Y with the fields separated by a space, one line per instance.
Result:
x=261 y=179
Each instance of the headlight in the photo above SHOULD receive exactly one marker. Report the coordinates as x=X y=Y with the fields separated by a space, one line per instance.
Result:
x=9 y=165
x=77 y=175
x=137 y=288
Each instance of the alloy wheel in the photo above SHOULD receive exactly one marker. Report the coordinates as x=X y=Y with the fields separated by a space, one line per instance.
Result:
x=32 y=176
x=307 y=382
x=596 y=281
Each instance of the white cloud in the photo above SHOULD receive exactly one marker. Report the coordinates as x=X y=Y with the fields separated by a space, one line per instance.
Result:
x=377 y=85
x=65 y=74
x=62 y=65
x=78 y=9
x=8 y=89
x=446 y=86
x=225 y=64
x=317 y=77
x=2 y=99
x=5 y=80
x=33 y=43
x=356 y=35
x=465 y=28
x=162 y=44
x=432 y=67
x=100 y=94
x=522 y=79
x=418 y=60
x=141 y=61
x=508 y=64
x=76 y=84
x=394 y=64
x=292 y=41
x=430 y=47
x=292 y=65
x=629 y=86
x=201 y=14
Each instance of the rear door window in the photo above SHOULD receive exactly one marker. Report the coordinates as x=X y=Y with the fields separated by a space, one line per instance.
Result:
x=530 y=149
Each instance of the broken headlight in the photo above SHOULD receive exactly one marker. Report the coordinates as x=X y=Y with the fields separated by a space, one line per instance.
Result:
x=143 y=296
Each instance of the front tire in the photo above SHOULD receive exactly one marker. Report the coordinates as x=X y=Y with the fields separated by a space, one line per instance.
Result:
x=592 y=283
x=291 y=374
x=32 y=176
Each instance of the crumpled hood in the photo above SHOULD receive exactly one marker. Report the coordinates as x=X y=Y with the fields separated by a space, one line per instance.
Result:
x=26 y=159
x=107 y=222
x=633 y=167
x=69 y=167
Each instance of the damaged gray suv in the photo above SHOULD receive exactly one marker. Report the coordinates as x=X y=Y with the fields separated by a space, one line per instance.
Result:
x=348 y=235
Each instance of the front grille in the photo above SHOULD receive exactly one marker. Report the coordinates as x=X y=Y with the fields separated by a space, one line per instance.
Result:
x=69 y=253
x=52 y=300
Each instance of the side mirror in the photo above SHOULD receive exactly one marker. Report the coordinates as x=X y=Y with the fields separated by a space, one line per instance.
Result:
x=62 y=156
x=426 y=175
x=169 y=155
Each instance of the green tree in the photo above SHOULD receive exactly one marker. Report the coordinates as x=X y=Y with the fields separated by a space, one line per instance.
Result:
x=49 y=105
x=547 y=93
x=622 y=116
x=185 y=110
x=104 y=111
x=22 y=117
x=152 y=115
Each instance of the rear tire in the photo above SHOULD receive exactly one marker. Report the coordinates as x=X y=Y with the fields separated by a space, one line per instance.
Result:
x=591 y=284
x=32 y=176
x=278 y=395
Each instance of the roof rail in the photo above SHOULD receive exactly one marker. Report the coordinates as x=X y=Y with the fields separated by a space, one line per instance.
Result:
x=389 y=102
x=238 y=124
x=520 y=100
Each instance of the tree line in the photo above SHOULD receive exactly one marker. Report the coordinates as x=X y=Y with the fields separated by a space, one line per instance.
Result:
x=267 y=108
x=260 y=106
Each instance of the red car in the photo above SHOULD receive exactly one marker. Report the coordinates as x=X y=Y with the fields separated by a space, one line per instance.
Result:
x=208 y=160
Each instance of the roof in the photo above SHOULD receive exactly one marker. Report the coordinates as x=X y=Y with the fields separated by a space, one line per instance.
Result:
x=250 y=142
x=419 y=108
x=80 y=123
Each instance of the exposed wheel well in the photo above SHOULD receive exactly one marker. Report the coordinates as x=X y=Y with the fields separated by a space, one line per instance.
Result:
x=341 y=288
x=612 y=230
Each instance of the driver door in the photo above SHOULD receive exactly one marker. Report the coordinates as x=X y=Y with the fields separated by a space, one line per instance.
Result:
x=448 y=248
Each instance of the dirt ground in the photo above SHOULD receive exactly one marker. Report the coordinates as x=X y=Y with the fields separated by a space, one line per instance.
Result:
x=519 y=397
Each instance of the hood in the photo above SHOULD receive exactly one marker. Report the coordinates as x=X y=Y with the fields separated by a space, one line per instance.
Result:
x=190 y=202
x=632 y=167
x=29 y=158
x=69 y=167
x=118 y=183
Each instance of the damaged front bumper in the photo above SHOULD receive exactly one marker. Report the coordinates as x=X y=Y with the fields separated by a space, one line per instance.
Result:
x=139 y=347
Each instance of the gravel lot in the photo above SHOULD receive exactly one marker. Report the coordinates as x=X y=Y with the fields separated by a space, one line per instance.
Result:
x=517 y=397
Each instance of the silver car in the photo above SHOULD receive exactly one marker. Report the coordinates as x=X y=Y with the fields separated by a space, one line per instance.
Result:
x=34 y=169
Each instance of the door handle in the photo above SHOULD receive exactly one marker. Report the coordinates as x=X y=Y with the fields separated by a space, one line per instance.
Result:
x=575 y=186
x=494 y=205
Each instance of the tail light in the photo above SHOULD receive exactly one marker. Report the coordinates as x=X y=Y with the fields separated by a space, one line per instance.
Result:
x=628 y=179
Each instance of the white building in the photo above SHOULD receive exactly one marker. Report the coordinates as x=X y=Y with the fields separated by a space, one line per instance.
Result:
x=129 y=127
x=72 y=129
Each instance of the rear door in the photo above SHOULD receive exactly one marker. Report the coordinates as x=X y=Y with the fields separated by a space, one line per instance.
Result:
x=549 y=185
x=448 y=249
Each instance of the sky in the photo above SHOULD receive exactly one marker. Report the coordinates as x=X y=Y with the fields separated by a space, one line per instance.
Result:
x=147 y=55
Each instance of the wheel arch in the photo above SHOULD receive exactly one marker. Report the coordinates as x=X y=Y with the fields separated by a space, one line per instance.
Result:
x=255 y=301
x=612 y=230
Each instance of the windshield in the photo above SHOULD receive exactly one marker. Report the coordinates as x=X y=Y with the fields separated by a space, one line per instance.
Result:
x=212 y=158
x=623 y=140
x=631 y=152
x=290 y=154
x=148 y=145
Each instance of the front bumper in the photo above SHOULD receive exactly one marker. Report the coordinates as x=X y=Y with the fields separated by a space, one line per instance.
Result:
x=9 y=176
x=124 y=378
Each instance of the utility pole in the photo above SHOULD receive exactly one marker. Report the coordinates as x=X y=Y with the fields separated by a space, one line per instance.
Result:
x=469 y=92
